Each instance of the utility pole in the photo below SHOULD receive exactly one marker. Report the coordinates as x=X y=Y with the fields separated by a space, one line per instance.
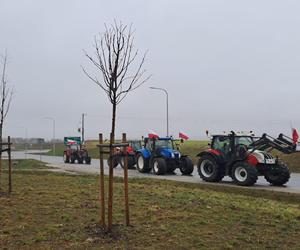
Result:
x=82 y=127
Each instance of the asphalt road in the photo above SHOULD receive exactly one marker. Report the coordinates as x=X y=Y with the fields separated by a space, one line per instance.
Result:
x=293 y=186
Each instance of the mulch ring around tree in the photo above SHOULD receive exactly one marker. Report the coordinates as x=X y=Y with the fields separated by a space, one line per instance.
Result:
x=98 y=234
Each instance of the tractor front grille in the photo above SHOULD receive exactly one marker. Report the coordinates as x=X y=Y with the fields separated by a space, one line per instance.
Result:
x=267 y=156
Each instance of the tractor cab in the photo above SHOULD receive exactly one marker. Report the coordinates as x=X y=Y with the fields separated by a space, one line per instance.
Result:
x=153 y=144
x=232 y=146
x=135 y=145
x=73 y=147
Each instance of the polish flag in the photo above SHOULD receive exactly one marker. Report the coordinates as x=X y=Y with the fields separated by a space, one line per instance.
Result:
x=183 y=136
x=153 y=135
x=71 y=142
x=295 y=135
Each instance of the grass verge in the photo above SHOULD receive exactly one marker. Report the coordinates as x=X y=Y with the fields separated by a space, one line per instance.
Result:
x=56 y=211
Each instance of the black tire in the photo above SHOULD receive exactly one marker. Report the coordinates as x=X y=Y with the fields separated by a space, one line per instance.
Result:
x=115 y=161
x=171 y=168
x=186 y=166
x=159 y=166
x=280 y=176
x=209 y=170
x=72 y=159
x=142 y=164
x=244 y=174
x=131 y=161
x=80 y=160
x=66 y=158
x=88 y=160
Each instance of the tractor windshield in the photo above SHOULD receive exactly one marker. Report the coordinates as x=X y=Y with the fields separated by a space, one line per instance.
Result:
x=136 y=145
x=74 y=146
x=244 y=140
x=164 y=144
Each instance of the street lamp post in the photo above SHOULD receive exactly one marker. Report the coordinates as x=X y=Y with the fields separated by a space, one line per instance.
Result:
x=53 y=120
x=167 y=99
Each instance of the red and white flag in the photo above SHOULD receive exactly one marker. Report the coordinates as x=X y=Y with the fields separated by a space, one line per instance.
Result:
x=71 y=142
x=153 y=135
x=183 y=136
x=295 y=135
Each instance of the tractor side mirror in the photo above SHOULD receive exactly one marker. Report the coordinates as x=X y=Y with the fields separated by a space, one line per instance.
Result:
x=209 y=144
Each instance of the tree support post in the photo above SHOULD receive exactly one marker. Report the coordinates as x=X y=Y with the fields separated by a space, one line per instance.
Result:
x=9 y=166
x=124 y=140
x=110 y=185
x=101 y=184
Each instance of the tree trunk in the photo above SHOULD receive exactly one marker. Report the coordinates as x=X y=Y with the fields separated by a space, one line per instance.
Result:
x=113 y=123
x=111 y=169
x=1 y=128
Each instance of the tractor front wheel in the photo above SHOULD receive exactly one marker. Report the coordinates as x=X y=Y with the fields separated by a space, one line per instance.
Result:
x=159 y=166
x=209 y=170
x=142 y=164
x=66 y=158
x=72 y=159
x=278 y=177
x=186 y=166
x=114 y=161
x=244 y=174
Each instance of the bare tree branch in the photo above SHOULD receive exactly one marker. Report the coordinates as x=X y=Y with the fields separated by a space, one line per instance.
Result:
x=6 y=95
x=115 y=58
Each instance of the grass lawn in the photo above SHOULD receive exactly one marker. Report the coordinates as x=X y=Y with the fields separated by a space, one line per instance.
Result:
x=57 y=211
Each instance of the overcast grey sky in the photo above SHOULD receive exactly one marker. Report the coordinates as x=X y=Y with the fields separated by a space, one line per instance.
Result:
x=227 y=64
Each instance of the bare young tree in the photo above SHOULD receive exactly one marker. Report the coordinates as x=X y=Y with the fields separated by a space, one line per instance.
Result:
x=120 y=71
x=5 y=100
x=116 y=60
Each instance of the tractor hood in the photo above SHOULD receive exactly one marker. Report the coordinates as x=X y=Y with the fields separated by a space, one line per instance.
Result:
x=263 y=157
x=169 y=153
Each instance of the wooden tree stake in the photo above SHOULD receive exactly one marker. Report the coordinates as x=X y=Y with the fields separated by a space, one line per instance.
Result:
x=124 y=140
x=102 y=192
x=110 y=185
x=9 y=166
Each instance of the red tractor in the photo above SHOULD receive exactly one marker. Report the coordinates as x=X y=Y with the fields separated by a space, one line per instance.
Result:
x=119 y=156
x=75 y=151
x=244 y=158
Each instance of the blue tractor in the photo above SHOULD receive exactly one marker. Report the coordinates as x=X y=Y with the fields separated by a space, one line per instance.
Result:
x=161 y=156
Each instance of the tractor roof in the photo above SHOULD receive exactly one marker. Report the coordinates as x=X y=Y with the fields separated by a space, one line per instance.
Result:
x=161 y=138
x=238 y=135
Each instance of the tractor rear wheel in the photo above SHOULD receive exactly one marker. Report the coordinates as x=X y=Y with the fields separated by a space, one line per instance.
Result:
x=114 y=160
x=159 y=166
x=186 y=166
x=278 y=177
x=244 y=174
x=66 y=158
x=209 y=170
x=142 y=164
x=88 y=160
